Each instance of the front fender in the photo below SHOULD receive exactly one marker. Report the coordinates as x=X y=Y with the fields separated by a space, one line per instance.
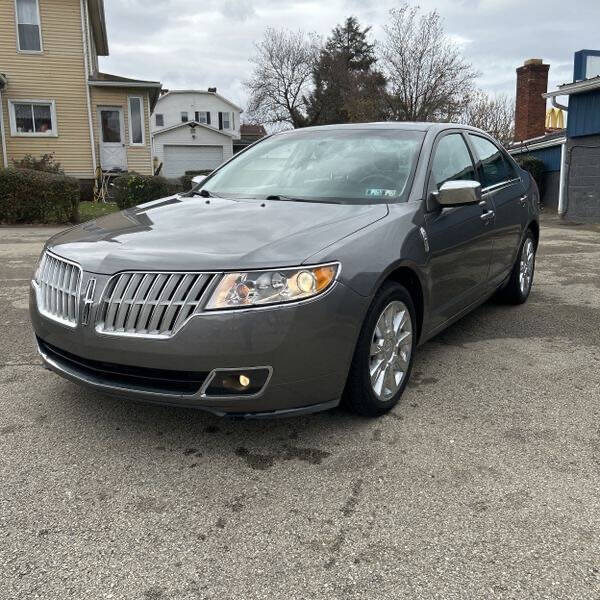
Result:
x=372 y=255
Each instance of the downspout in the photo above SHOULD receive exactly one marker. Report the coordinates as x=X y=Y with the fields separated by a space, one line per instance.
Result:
x=150 y=139
x=557 y=104
x=87 y=85
x=562 y=185
x=4 y=154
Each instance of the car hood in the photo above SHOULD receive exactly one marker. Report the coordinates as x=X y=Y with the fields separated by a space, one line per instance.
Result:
x=198 y=234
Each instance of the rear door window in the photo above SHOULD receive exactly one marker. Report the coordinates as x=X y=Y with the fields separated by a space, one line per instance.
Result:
x=495 y=168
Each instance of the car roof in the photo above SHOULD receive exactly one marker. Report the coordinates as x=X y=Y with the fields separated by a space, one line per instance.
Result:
x=401 y=125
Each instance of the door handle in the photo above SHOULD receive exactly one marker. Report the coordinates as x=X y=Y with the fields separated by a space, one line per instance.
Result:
x=486 y=217
x=523 y=200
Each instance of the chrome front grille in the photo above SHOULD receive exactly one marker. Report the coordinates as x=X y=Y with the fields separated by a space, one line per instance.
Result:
x=58 y=287
x=149 y=304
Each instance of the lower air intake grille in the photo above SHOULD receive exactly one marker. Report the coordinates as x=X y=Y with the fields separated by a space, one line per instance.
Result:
x=150 y=304
x=122 y=376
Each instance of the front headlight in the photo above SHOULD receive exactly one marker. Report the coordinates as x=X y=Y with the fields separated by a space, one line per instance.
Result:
x=257 y=288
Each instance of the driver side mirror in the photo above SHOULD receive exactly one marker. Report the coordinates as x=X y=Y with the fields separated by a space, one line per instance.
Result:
x=457 y=193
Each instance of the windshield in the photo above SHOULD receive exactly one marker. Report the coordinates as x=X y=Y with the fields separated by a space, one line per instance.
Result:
x=343 y=165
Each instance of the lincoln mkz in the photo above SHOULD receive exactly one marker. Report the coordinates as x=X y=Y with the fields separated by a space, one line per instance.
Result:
x=302 y=273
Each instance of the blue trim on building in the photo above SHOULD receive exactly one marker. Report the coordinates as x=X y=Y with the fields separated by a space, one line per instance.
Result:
x=580 y=63
x=549 y=156
x=584 y=114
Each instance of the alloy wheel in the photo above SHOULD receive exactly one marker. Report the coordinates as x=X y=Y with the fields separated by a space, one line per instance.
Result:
x=526 y=266
x=391 y=348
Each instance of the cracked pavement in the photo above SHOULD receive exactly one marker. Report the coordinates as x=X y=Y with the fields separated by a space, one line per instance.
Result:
x=484 y=482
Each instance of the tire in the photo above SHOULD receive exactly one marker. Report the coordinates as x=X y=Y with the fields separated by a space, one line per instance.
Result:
x=396 y=350
x=519 y=284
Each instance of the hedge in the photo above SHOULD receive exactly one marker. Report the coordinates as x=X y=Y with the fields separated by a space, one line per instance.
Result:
x=132 y=189
x=46 y=163
x=186 y=180
x=535 y=166
x=28 y=196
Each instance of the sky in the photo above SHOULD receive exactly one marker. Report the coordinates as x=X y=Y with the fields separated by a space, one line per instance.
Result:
x=189 y=44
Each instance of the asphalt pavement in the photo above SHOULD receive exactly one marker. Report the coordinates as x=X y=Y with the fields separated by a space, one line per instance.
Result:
x=483 y=483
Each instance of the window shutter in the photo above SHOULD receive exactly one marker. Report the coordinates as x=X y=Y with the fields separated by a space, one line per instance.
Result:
x=220 y=120
x=197 y=116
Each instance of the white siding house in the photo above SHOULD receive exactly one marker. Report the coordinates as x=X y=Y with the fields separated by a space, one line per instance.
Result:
x=193 y=130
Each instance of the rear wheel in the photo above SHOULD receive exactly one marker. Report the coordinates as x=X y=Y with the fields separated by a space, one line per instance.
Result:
x=519 y=285
x=384 y=353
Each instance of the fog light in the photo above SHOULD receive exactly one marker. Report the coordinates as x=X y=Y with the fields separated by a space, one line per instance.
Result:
x=230 y=382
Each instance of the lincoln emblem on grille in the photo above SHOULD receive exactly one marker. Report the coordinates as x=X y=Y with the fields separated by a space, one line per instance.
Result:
x=88 y=301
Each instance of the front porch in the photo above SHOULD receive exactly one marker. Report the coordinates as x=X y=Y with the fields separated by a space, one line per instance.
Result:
x=120 y=113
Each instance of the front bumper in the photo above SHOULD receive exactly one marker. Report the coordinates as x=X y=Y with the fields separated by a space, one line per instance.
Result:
x=307 y=346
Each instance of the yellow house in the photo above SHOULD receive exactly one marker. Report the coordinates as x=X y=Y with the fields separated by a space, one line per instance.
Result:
x=54 y=99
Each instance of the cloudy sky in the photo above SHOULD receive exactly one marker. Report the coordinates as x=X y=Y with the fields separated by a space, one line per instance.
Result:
x=197 y=44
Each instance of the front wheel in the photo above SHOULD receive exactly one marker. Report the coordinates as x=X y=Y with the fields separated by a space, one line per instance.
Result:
x=521 y=278
x=384 y=353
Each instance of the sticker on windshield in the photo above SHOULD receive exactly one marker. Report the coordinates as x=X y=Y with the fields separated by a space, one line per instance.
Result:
x=380 y=192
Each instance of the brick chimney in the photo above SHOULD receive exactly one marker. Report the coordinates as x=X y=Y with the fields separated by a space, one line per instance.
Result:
x=530 y=111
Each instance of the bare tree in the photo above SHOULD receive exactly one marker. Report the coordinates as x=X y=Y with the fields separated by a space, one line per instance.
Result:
x=428 y=78
x=494 y=114
x=282 y=76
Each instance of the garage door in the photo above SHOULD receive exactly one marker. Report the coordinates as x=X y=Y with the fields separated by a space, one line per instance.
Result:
x=179 y=159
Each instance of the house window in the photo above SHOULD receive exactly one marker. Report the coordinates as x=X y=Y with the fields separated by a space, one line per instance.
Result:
x=202 y=116
x=159 y=120
x=184 y=117
x=136 y=121
x=33 y=118
x=224 y=120
x=29 y=37
x=592 y=66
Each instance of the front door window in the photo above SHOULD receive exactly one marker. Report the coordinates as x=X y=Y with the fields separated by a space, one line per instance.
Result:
x=452 y=162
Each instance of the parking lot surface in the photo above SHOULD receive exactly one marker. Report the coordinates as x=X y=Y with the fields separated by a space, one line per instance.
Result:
x=483 y=483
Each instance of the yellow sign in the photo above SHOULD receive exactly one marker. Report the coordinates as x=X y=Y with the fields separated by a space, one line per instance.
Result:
x=555 y=119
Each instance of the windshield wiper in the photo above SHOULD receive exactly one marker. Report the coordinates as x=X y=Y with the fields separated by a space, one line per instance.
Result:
x=204 y=193
x=290 y=199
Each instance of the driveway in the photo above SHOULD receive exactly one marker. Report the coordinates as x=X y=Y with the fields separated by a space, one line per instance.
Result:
x=483 y=483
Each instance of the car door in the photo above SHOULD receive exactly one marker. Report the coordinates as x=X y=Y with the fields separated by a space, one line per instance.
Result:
x=459 y=237
x=503 y=189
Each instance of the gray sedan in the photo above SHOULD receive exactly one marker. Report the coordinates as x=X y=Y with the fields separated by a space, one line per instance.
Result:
x=302 y=273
